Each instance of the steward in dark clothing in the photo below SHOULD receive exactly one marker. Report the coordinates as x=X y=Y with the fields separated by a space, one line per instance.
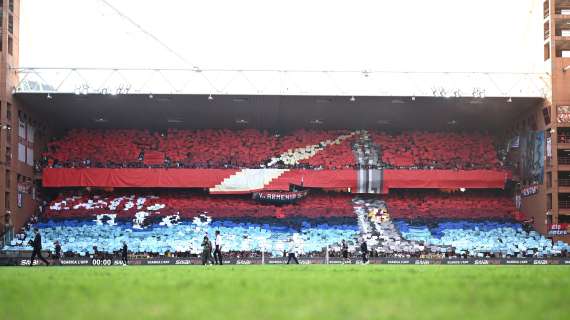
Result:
x=57 y=255
x=364 y=250
x=207 y=251
x=125 y=253
x=344 y=250
x=37 y=251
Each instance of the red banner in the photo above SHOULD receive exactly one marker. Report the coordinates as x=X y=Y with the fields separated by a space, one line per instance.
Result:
x=328 y=179
x=444 y=179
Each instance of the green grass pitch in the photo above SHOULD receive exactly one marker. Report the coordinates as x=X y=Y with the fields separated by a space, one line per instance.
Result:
x=285 y=292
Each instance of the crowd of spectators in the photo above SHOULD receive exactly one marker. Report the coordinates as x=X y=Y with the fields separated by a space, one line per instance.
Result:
x=251 y=148
x=192 y=204
x=439 y=150
x=456 y=205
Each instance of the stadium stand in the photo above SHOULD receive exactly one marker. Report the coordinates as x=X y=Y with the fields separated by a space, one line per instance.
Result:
x=404 y=222
x=457 y=205
x=251 y=148
x=79 y=236
x=498 y=237
x=481 y=239
x=189 y=205
x=417 y=150
x=174 y=222
x=209 y=148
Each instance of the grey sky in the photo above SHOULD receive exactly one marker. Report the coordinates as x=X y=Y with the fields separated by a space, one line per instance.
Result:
x=413 y=35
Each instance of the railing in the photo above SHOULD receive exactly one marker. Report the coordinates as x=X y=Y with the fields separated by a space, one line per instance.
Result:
x=563 y=138
x=563 y=160
x=564 y=182
x=564 y=204
x=281 y=82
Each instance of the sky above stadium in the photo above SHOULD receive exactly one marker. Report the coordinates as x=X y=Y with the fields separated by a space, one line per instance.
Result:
x=411 y=35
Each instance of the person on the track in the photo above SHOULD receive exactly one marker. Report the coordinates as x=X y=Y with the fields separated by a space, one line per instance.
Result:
x=125 y=253
x=292 y=252
x=207 y=251
x=344 y=250
x=218 y=250
x=37 y=248
x=364 y=251
x=57 y=255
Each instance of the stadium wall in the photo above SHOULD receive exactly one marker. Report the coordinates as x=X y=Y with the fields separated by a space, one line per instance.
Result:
x=17 y=178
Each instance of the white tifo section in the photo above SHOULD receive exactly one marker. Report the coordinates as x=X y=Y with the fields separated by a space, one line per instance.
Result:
x=293 y=156
x=256 y=179
x=248 y=180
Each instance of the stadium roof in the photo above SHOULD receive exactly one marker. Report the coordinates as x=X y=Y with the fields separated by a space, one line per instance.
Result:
x=275 y=111
x=281 y=82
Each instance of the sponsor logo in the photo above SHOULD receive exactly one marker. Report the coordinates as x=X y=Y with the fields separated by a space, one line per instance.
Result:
x=243 y=262
x=457 y=261
x=398 y=261
x=539 y=262
x=182 y=262
x=516 y=262
x=422 y=262
x=158 y=261
x=26 y=262
x=75 y=262
x=481 y=262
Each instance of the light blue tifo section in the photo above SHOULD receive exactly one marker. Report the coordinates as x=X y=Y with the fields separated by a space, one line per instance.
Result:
x=282 y=82
x=478 y=238
x=81 y=236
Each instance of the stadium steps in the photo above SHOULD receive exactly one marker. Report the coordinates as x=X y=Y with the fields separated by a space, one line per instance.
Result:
x=365 y=152
x=367 y=155
x=377 y=227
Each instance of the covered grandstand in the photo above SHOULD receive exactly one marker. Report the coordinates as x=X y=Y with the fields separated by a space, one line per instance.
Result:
x=445 y=165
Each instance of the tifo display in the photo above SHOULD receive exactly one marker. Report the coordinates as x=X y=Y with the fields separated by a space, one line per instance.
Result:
x=304 y=193
x=175 y=223
x=250 y=148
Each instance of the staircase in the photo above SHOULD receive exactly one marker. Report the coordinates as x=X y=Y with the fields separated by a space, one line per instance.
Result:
x=379 y=230
x=367 y=154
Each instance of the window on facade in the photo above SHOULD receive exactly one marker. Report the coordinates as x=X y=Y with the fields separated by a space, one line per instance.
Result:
x=10 y=45
x=1 y=15
x=9 y=111
x=11 y=5
x=8 y=180
x=11 y=23
x=8 y=156
x=7 y=200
